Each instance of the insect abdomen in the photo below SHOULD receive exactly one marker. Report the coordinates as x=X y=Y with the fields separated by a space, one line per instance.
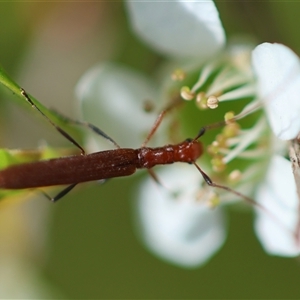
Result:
x=69 y=170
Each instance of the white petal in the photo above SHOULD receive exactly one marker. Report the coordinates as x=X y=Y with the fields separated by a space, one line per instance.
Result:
x=178 y=28
x=278 y=72
x=112 y=97
x=179 y=229
x=278 y=195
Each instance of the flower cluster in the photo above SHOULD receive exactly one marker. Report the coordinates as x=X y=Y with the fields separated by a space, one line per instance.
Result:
x=183 y=221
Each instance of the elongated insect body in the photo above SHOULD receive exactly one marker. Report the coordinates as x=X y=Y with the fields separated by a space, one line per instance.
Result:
x=95 y=166
x=69 y=170
x=119 y=162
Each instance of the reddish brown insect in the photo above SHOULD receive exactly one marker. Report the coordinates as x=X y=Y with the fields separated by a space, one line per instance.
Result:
x=72 y=170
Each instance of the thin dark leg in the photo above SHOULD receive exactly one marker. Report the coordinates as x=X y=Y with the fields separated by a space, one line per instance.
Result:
x=94 y=128
x=61 y=131
x=154 y=176
x=60 y=194
x=219 y=124
x=158 y=181
x=212 y=126
x=159 y=119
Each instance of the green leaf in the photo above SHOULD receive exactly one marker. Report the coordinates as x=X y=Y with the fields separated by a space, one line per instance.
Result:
x=54 y=116
x=13 y=157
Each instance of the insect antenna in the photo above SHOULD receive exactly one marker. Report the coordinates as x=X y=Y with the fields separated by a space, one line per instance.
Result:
x=213 y=184
x=247 y=110
x=244 y=197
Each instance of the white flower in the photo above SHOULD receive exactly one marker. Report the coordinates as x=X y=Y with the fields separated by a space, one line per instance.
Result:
x=172 y=222
x=113 y=94
x=278 y=71
x=276 y=226
x=182 y=28
x=180 y=229
x=278 y=74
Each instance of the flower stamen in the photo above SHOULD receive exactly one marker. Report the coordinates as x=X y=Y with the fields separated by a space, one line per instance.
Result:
x=178 y=75
x=218 y=163
x=186 y=93
x=212 y=102
x=201 y=100
x=235 y=176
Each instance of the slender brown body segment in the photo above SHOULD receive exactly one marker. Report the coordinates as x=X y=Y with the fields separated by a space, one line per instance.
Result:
x=72 y=170
x=69 y=170
x=95 y=166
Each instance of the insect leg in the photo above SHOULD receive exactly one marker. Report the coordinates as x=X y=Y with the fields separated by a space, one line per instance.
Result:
x=159 y=182
x=154 y=176
x=94 y=128
x=60 y=130
x=60 y=194
x=160 y=117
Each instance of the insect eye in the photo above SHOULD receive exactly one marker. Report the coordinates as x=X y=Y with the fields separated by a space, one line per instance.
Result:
x=189 y=140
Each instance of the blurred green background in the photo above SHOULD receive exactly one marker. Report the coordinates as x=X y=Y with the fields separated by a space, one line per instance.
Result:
x=85 y=246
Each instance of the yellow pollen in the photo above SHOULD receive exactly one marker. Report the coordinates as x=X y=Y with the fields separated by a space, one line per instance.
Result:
x=178 y=75
x=218 y=164
x=186 y=93
x=229 y=117
x=214 y=200
x=231 y=130
x=221 y=139
x=201 y=100
x=213 y=149
x=212 y=102
x=235 y=176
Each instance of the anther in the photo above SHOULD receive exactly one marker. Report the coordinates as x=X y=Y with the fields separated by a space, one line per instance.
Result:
x=214 y=200
x=218 y=164
x=235 y=176
x=231 y=130
x=201 y=100
x=178 y=75
x=212 y=102
x=229 y=117
x=214 y=148
x=186 y=93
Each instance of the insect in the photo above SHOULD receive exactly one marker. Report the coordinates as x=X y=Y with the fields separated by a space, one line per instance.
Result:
x=72 y=170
